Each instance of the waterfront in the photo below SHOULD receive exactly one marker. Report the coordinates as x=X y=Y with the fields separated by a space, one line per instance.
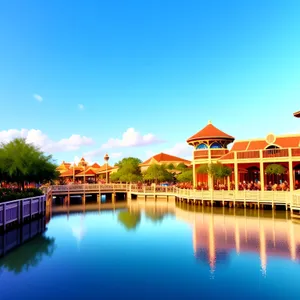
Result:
x=157 y=250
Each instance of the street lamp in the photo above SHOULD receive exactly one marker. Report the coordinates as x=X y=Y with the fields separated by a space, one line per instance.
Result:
x=106 y=158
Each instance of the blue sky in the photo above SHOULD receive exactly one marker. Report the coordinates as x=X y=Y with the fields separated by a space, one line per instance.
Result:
x=99 y=68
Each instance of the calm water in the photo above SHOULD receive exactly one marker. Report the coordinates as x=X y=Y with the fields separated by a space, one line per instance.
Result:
x=156 y=252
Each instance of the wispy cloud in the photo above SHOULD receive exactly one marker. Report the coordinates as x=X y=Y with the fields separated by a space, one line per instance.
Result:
x=41 y=140
x=81 y=106
x=38 y=97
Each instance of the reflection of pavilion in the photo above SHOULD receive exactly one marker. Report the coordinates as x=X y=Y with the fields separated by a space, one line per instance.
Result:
x=216 y=236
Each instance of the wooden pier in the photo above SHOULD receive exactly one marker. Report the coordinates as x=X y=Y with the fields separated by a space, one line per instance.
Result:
x=231 y=198
x=20 y=210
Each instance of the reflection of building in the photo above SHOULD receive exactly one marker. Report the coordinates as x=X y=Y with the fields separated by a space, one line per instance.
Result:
x=163 y=158
x=248 y=159
x=215 y=236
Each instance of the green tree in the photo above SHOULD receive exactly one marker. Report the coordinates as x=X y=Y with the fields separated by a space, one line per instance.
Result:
x=181 y=167
x=186 y=176
x=128 y=170
x=129 y=220
x=155 y=216
x=275 y=169
x=158 y=173
x=217 y=170
x=220 y=171
x=20 y=162
x=170 y=166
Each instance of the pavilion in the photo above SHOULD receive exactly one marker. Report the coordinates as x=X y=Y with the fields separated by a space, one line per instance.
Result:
x=247 y=158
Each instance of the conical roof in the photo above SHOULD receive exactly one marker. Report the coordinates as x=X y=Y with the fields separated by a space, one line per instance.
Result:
x=210 y=132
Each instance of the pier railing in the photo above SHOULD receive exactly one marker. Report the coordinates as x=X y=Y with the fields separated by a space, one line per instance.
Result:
x=18 y=210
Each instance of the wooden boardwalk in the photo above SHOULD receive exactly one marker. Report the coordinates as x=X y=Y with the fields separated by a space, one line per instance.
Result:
x=290 y=200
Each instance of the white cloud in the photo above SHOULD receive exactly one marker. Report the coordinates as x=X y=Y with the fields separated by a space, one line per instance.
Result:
x=81 y=106
x=38 y=97
x=41 y=140
x=132 y=138
x=182 y=150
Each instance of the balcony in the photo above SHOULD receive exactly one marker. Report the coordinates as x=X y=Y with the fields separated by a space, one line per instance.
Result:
x=275 y=153
x=215 y=153
x=248 y=154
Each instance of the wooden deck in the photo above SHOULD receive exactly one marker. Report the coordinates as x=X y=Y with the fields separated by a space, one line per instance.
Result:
x=290 y=200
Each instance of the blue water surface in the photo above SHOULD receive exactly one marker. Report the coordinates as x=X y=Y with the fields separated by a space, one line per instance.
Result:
x=156 y=253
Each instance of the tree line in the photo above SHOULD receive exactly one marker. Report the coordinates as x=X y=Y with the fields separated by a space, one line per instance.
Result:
x=21 y=162
x=129 y=171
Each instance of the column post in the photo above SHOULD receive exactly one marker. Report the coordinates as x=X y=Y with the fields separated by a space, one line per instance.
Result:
x=291 y=174
x=262 y=171
x=195 y=183
x=236 y=172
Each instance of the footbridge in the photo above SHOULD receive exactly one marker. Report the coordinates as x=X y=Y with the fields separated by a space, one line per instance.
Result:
x=231 y=198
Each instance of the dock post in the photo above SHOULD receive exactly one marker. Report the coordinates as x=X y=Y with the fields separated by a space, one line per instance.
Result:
x=4 y=216
x=19 y=212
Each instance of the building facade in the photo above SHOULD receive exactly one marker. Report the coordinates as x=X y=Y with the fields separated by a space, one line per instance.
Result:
x=248 y=158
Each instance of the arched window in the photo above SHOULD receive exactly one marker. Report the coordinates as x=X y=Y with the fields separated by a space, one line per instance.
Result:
x=202 y=146
x=272 y=147
x=215 y=146
x=272 y=150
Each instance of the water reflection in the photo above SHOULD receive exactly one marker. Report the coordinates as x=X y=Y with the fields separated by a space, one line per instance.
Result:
x=219 y=232
x=130 y=220
x=29 y=246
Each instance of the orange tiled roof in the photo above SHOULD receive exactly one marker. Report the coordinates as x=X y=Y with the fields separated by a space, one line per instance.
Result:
x=86 y=173
x=240 y=146
x=261 y=144
x=96 y=166
x=103 y=169
x=210 y=132
x=163 y=157
x=67 y=173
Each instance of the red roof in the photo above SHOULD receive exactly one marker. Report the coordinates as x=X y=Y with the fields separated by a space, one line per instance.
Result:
x=210 y=132
x=96 y=166
x=88 y=172
x=67 y=173
x=163 y=157
x=260 y=144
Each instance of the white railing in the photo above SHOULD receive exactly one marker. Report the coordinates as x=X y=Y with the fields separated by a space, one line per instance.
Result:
x=270 y=197
x=295 y=201
x=71 y=188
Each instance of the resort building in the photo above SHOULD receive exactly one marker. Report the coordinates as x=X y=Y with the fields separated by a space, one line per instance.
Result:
x=163 y=158
x=83 y=172
x=249 y=159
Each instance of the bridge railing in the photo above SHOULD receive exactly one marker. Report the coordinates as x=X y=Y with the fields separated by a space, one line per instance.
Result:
x=295 y=201
x=274 y=197
x=19 y=209
x=88 y=187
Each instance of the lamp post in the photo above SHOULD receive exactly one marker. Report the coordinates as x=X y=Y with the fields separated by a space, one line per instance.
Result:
x=106 y=158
